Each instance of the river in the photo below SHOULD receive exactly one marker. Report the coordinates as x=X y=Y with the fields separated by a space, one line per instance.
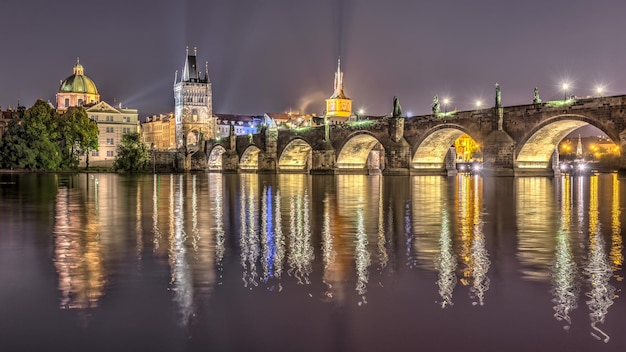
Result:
x=246 y=262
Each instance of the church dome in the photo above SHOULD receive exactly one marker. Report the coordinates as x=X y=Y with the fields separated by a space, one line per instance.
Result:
x=78 y=82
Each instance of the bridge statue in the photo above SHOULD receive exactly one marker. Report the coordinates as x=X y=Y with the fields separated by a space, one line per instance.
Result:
x=498 y=96
x=397 y=109
x=435 y=106
x=536 y=99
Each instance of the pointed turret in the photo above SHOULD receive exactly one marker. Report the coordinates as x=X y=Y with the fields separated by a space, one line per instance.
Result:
x=190 y=71
x=338 y=85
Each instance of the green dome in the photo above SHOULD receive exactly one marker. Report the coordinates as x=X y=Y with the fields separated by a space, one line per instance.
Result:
x=78 y=83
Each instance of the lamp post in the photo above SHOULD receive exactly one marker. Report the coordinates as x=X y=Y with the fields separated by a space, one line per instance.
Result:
x=565 y=88
x=479 y=104
x=599 y=90
x=446 y=101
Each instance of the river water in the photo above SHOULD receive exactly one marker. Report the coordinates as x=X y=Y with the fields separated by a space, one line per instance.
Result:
x=211 y=262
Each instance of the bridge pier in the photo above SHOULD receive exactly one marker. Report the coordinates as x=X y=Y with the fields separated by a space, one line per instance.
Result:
x=230 y=162
x=323 y=161
x=498 y=154
x=397 y=157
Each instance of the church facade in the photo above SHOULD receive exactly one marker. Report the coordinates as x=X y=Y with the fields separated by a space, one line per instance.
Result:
x=113 y=122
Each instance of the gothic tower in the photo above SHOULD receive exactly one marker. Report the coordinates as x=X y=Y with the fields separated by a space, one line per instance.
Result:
x=193 y=105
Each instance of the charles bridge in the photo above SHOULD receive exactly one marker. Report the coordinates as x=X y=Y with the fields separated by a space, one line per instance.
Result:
x=514 y=141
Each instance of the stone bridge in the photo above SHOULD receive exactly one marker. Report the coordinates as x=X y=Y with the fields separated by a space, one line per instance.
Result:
x=515 y=140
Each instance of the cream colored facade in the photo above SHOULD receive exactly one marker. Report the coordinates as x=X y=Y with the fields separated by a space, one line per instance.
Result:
x=113 y=123
x=159 y=131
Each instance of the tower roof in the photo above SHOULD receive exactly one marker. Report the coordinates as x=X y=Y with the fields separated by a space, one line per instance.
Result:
x=190 y=69
x=78 y=82
x=338 y=84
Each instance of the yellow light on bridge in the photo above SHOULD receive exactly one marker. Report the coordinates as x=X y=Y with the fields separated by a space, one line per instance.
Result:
x=599 y=90
x=479 y=103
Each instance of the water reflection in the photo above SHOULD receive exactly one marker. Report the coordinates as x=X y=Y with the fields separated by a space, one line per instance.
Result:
x=78 y=252
x=536 y=219
x=248 y=240
x=300 y=256
x=617 y=246
x=181 y=279
x=597 y=269
x=564 y=272
x=480 y=262
x=446 y=263
x=429 y=202
x=568 y=239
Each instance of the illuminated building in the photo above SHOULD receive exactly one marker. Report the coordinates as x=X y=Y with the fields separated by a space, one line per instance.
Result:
x=77 y=90
x=113 y=123
x=242 y=124
x=159 y=131
x=338 y=106
x=466 y=148
x=193 y=100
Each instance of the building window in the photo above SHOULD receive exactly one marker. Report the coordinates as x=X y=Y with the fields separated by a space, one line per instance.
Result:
x=94 y=117
x=95 y=153
x=126 y=130
x=67 y=102
x=80 y=102
x=110 y=141
x=125 y=119
x=110 y=153
x=110 y=130
x=109 y=118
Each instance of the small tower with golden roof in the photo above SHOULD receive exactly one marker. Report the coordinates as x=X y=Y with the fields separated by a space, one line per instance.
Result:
x=339 y=104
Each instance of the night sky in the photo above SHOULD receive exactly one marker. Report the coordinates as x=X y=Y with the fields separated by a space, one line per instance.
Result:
x=276 y=55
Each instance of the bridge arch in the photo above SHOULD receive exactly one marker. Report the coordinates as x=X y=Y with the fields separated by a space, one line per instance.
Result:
x=214 y=159
x=361 y=151
x=249 y=160
x=430 y=152
x=295 y=157
x=536 y=148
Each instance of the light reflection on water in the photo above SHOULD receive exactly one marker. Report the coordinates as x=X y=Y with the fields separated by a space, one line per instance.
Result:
x=346 y=240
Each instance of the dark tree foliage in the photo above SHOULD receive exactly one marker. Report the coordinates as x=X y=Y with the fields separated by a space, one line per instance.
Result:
x=79 y=135
x=31 y=140
x=132 y=154
x=41 y=139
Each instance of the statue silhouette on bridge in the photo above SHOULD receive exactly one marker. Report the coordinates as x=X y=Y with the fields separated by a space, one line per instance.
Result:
x=397 y=109
x=435 y=106
x=536 y=99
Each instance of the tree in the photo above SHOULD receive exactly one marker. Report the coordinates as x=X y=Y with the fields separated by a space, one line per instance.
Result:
x=132 y=154
x=31 y=140
x=78 y=135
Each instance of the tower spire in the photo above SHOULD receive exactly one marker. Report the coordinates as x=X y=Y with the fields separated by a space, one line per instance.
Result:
x=338 y=84
x=206 y=71
x=579 y=147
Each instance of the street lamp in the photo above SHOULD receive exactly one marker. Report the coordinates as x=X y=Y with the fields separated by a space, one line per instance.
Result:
x=446 y=101
x=599 y=90
x=479 y=103
x=565 y=87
